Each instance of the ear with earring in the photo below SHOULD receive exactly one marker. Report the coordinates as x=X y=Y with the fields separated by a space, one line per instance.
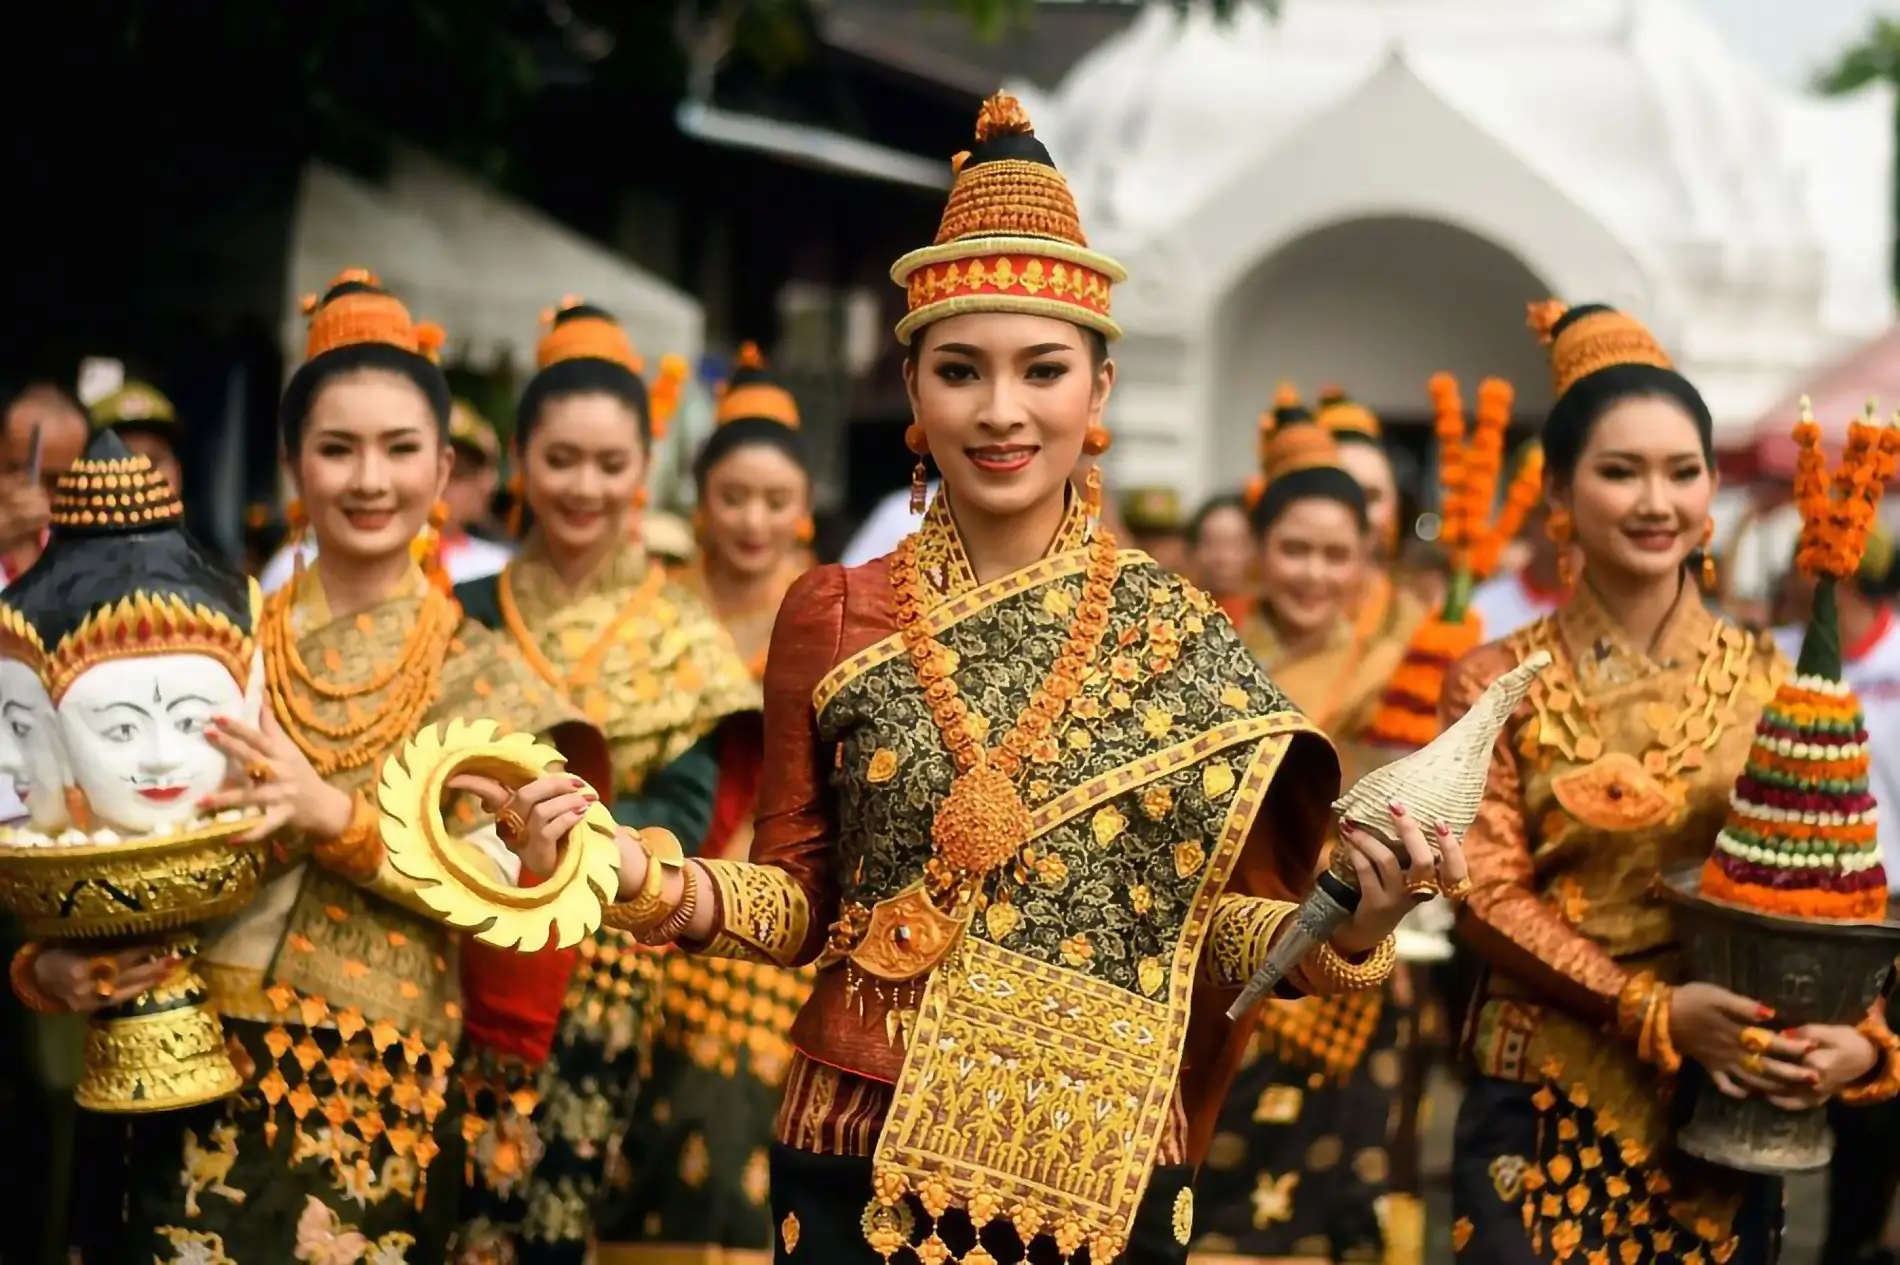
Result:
x=1562 y=530
x=919 y=477
x=299 y=520
x=1709 y=576
x=1095 y=441
x=807 y=530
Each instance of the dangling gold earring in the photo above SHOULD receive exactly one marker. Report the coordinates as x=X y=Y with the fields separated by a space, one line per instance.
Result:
x=1095 y=441
x=640 y=497
x=806 y=530
x=1708 y=556
x=919 y=477
x=1561 y=530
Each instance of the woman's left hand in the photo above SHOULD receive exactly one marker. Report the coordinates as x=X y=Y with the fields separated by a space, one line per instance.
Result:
x=1391 y=887
x=279 y=781
x=1837 y=1057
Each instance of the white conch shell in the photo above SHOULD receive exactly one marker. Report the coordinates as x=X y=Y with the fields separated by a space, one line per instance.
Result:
x=1443 y=781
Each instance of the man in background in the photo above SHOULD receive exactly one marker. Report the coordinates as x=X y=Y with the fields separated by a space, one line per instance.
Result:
x=147 y=424
x=26 y=501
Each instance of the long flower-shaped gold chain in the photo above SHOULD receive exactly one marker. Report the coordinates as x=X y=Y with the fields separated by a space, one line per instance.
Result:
x=983 y=822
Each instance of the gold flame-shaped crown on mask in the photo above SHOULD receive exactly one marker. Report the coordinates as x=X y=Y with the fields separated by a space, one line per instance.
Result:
x=146 y=625
x=19 y=639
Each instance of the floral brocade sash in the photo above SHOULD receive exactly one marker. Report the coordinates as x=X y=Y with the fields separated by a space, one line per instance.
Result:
x=1043 y=1053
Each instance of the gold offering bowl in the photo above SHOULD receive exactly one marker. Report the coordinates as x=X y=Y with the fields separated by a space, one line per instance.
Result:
x=164 y=1049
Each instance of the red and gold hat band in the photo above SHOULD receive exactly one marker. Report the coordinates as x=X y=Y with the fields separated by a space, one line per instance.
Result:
x=1030 y=275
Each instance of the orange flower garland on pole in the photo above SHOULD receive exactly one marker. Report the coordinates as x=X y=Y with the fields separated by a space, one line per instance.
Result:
x=1468 y=472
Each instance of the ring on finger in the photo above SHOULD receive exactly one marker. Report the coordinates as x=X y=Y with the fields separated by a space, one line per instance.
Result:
x=1752 y=1062
x=1422 y=890
x=104 y=974
x=260 y=772
x=509 y=823
x=1459 y=890
x=1757 y=1040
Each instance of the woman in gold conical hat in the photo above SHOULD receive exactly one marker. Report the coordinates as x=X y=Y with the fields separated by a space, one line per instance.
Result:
x=1012 y=807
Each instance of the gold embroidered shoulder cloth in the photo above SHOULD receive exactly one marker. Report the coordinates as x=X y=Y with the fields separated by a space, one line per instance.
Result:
x=638 y=653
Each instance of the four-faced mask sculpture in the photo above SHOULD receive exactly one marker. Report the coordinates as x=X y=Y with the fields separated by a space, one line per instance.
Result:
x=139 y=637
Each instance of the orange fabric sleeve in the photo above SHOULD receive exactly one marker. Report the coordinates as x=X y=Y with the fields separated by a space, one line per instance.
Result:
x=794 y=830
x=1504 y=919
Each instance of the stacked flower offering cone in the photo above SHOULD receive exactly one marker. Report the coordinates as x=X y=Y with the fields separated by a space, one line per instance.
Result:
x=1800 y=836
x=1468 y=479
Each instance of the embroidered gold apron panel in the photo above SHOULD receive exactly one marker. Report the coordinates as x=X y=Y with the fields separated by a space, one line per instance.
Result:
x=1035 y=1090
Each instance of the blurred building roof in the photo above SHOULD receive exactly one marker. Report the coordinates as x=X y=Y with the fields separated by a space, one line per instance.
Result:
x=926 y=39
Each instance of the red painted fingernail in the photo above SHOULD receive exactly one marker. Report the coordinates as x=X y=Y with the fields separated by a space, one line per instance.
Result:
x=1444 y=831
x=591 y=798
x=1398 y=809
x=1764 y=1012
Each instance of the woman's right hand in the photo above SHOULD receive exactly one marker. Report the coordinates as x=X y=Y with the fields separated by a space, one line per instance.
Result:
x=85 y=982
x=533 y=821
x=1711 y=1026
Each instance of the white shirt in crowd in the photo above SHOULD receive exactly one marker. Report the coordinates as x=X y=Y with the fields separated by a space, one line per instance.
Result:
x=1873 y=672
x=1505 y=603
x=884 y=529
x=467 y=558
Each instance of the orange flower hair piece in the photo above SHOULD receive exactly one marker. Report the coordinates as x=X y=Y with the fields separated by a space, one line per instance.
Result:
x=586 y=337
x=367 y=316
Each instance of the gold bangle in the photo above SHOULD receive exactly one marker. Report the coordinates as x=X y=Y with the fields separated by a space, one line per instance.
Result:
x=1327 y=968
x=674 y=923
x=357 y=853
x=647 y=908
x=27 y=988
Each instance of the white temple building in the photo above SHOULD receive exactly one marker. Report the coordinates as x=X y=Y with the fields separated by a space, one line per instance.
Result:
x=1369 y=191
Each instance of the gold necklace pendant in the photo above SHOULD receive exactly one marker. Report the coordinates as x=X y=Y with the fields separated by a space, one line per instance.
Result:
x=982 y=822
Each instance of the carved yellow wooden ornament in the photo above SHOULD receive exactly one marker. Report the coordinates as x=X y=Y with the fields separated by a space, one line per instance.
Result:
x=421 y=847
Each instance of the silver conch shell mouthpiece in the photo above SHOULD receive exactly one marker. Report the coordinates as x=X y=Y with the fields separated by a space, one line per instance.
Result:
x=1440 y=783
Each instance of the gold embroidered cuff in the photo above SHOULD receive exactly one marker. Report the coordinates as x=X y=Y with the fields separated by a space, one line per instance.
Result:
x=1239 y=935
x=1328 y=973
x=1883 y=1082
x=763 y=913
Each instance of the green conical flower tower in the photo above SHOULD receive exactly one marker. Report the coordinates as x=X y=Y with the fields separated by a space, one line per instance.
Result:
x=1800 y=836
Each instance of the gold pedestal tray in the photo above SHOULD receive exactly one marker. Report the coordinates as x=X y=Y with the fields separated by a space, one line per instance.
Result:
x=164 y=1049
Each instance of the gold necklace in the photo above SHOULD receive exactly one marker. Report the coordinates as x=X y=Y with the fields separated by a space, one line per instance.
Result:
x=983 y=821
x=412 y=679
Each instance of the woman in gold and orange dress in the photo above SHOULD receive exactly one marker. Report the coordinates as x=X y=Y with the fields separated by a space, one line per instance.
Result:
x=692 y=1186
x=1300 y=1164
x=560 y=1036
x=1619 y=765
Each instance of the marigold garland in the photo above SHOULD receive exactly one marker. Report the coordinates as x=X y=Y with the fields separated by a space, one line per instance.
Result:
x=1468 y=471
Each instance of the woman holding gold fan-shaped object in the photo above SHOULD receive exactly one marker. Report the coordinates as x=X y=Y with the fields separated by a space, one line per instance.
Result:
x=337 y=986
x=692 y=1184
x=1620 y=766
x=1029 y=805
x=557 y=1038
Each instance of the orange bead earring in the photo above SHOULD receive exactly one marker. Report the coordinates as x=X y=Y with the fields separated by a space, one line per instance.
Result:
x=918 y=444
x=1562 y=531
x=1709 y=576
x=1096 y=440
x=807 y=530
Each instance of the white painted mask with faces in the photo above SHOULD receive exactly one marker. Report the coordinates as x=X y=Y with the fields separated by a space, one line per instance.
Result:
x=134 y=731
x=32 y=752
